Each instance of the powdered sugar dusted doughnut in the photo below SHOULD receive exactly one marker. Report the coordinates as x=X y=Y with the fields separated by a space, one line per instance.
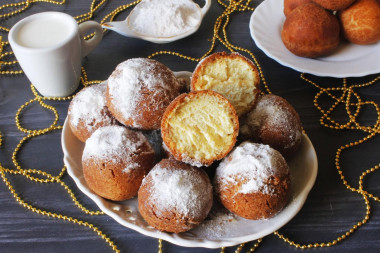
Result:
x=88 y=111
x=139 y=90
x=253 y=181
x=175 y=196
x=115 y=160
x=275 y=122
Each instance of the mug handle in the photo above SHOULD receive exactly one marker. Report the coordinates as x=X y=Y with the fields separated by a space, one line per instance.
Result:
x=206 y=7
x=89 y=45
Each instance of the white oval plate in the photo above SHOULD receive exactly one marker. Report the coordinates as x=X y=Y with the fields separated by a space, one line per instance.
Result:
x=349 y=60
x=230 y=229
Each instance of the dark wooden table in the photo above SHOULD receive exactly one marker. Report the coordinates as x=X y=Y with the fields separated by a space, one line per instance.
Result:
x=330 y=210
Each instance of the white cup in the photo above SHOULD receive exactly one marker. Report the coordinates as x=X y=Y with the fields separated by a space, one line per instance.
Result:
x=49 y=47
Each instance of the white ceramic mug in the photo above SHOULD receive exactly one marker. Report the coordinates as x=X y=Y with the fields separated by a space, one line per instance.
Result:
x=49 y=47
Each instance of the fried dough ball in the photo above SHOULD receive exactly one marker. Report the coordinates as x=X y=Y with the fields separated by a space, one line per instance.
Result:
x=115 y=160
x=253 y=181
x=175 y=196
x=88 y=111
x=290 y=5
x=274 y=122
x=311 y=31
x=361 y=22
x=138 y=92
x=335 y=5
x=232 y=75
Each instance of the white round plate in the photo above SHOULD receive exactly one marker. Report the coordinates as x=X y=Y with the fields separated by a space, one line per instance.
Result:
x=222 y=229
x=349 y=60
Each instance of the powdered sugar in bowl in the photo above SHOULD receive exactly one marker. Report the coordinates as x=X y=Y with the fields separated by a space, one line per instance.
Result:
x=160 y=21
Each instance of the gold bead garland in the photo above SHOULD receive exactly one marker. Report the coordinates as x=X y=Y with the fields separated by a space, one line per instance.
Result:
x=240 y=247
x=30 y=173
x=47 y=213
x=1 y=50
x=159 y=245
x=3 y=54
x=348 y=93
x=352 y=124
x=87 y=16
x=230 y=8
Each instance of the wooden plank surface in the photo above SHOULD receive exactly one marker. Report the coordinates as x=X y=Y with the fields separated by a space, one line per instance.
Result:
x=330 y=210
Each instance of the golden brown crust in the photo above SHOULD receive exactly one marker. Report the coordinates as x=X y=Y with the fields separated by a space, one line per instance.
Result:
x=310 y=31
x=169 y=219
x=81 y=131
x=290 y=5
x=253 y=181
x=256 y=206
x=153 y=98
x=216 y=57
x=107 y=179
x=118 y=176
x=85 y=125
x=145 y=119
x=221 y=56
x=282 y=134
x=361 y=22
x=335 y=5
x=182 y=99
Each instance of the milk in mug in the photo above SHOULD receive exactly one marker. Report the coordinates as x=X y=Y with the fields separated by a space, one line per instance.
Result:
x=42 y=33
x=49 y=47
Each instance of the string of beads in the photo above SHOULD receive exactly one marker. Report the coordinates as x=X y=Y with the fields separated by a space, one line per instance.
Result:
x=352 y=124
x=345 y=99
x=348 y=93
x=31 y=174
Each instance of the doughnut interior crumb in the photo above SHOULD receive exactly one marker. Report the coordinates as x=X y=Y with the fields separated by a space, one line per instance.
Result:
x=201 y=128
x=231 y=75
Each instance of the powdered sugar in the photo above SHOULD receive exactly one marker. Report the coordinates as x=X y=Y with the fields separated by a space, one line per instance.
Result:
x=218 y=225
x=135 y=77
x=270 y=110
x=265 y=110
x=111 y=142
x=158 y=18
x=181 y=190
x=253 y=164
x=89 y=106
x=187 y=159
x=130 y=167
x=126 y=82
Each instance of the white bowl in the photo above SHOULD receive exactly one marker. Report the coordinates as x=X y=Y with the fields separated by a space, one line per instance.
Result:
x=124 y=28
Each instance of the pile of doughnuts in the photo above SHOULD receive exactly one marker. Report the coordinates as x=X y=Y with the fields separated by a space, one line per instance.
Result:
x=199 y=130
x=314 y=28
